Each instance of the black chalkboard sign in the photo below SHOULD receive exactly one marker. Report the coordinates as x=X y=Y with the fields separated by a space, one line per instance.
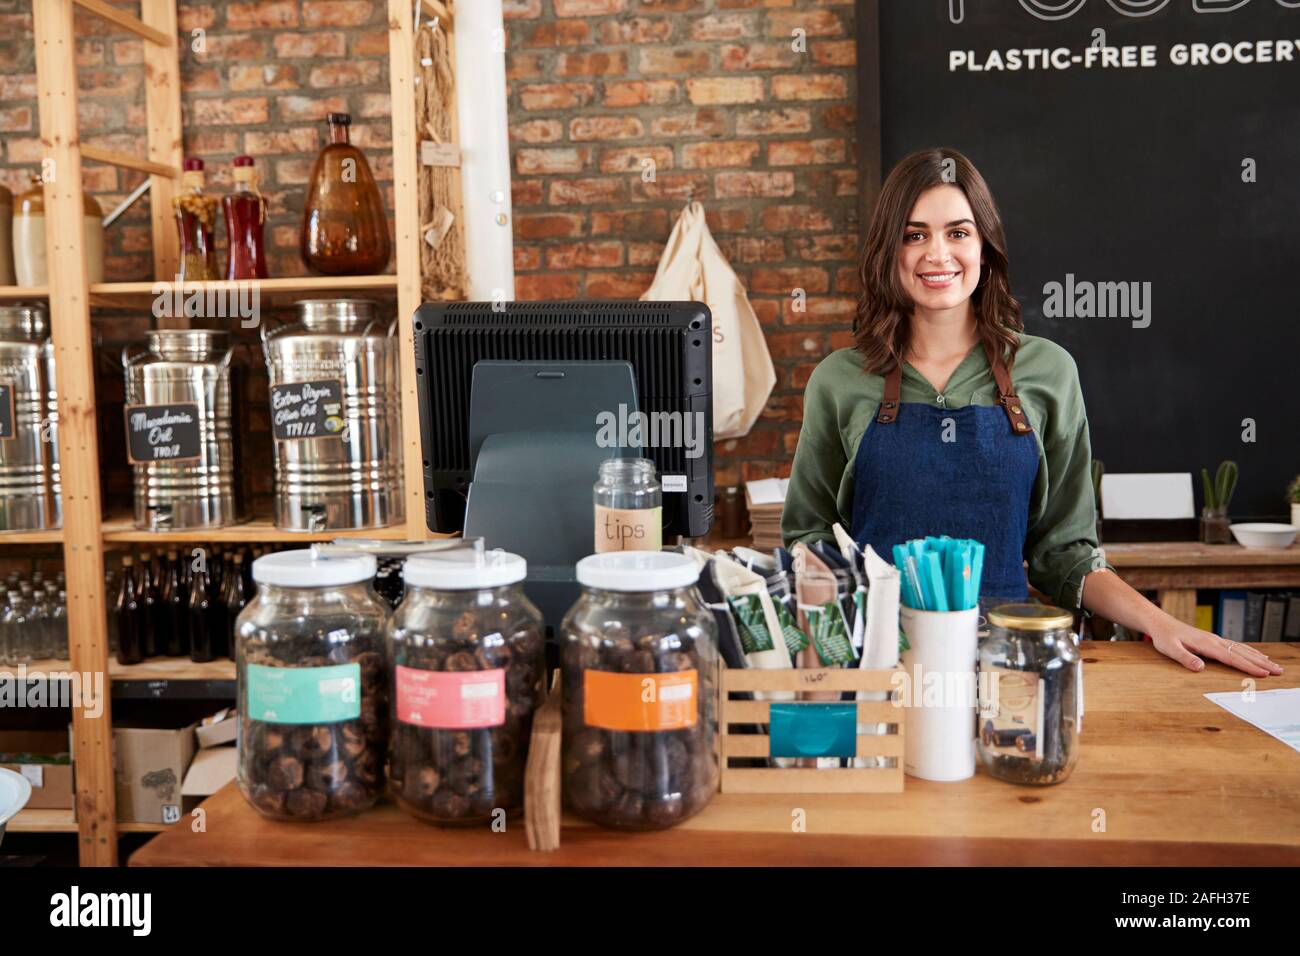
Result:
x=6 y=411
x=163 y=433
x=1142 y=151
x=307 y=410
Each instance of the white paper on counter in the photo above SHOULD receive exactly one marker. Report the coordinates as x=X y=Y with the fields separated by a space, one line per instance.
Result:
x=1276 y=712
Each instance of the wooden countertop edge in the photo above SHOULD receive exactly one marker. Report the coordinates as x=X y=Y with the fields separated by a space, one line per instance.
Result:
x=594 y=847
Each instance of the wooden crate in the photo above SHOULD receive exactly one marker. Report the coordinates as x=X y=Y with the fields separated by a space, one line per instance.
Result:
x=734 y=744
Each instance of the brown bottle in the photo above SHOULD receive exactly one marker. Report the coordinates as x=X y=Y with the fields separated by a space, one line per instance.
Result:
x=344 y=225
x=128 y=614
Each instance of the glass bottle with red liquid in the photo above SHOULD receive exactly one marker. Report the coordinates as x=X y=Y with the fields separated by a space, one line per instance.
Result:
x=245 y=211
x=344 y=224
x=196 y=217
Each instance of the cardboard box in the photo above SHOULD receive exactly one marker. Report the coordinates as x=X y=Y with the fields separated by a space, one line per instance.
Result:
x=221 y=728
x=212 y=769
x=52 y=783
x=150 y=764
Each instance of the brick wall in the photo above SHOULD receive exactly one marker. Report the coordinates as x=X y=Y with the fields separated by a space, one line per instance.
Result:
x=714 y=95
x=712 y=92
x=261 y=80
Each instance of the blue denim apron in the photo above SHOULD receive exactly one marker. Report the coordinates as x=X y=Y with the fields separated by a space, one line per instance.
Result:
x=909 y=482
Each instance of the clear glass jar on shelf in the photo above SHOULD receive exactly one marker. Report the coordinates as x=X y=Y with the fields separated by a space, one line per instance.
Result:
x=629 y=506
x=468 y=671
x=312 y=687
x=1031 y=694
x=639 y=653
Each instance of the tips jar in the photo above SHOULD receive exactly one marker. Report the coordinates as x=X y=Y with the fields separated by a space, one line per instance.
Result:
x=466 y=652
x=639 y=655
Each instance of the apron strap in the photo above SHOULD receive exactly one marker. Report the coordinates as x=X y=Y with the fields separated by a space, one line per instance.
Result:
x=1007 y=394
x=889 y=402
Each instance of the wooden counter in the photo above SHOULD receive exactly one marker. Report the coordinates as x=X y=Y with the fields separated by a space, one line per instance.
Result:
x=1180 y=781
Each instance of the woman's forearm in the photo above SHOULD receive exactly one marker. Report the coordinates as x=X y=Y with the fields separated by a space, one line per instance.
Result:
x=1107 y=594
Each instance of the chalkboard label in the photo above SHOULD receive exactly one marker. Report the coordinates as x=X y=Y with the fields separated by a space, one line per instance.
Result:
x=6 y=411
x=163 y=433
x=307 y=410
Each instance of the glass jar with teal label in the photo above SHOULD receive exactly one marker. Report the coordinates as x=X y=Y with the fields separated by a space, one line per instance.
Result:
x=313 y=687
x=468 y=668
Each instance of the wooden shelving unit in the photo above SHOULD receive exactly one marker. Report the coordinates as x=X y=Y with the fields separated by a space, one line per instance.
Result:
x=120 y=529
x=86 y=533
x=42 y=821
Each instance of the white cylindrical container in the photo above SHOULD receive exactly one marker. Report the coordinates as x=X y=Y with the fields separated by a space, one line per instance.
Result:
x=941 y=693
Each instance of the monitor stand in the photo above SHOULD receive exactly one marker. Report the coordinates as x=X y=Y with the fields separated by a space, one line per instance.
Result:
x=534 y=460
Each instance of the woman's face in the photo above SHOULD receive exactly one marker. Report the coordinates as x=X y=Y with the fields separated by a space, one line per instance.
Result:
x=939 y=262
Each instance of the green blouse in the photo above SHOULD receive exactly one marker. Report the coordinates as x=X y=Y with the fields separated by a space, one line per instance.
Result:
x=840 y=405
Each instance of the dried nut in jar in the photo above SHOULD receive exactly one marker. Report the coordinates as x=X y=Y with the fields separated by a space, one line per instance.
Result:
x=466 y=654
x=285 y=773
x=639 y=659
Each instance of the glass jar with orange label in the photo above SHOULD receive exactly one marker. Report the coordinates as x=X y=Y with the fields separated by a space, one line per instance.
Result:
x=639 y=656
x=467 y=669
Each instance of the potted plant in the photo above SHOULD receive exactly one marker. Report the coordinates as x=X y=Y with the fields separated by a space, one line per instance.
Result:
x=1293 y=496
x=1214 y=516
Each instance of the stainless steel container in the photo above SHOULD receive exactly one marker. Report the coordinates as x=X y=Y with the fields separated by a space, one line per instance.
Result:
x=29 y=423
x=180 y=438
x=335 y=418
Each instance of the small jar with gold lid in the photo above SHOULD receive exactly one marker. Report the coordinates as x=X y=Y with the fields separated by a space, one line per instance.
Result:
x=1031 y=694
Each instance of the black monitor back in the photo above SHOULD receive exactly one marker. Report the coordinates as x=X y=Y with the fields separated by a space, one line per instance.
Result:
x=668 y=344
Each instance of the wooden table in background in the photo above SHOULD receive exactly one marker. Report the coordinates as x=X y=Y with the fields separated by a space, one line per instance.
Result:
x=1175 y=569
x=1164 y=778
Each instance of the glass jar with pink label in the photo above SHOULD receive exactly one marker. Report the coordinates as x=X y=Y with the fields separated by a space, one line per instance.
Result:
x=639 y=659
x=466 y=655
x=312 y=687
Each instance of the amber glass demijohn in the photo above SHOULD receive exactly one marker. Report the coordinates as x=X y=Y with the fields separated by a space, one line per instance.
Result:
x=344 y=226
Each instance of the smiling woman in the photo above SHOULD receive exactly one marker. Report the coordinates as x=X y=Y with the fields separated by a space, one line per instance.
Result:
x=923 y=429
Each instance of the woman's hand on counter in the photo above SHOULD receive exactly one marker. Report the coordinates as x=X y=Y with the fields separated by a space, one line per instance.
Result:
x=1106 y=594
x=1183 y=642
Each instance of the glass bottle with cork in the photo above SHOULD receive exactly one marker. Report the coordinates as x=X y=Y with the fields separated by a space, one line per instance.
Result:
x=245 y=210
x=196 y=217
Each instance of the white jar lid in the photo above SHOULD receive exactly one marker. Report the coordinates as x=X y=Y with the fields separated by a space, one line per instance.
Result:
x=464 y=570
x=638 y=571
x=305 y=569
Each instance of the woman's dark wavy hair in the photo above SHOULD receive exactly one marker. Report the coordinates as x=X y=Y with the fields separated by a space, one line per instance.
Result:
x=881 y=327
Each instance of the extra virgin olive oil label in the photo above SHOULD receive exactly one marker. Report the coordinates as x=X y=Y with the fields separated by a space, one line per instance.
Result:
x=304 y=695
x=6 y=411
x=307 y=410
x=1012 y=717
x=451 y=700
x=629 y=529
x=644 y=702
x=163 y=433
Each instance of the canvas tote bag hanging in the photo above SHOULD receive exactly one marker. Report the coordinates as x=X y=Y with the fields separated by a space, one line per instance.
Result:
x=693 y=268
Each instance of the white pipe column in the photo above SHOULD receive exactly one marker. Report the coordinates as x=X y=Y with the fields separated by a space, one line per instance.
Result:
x=485 y=149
